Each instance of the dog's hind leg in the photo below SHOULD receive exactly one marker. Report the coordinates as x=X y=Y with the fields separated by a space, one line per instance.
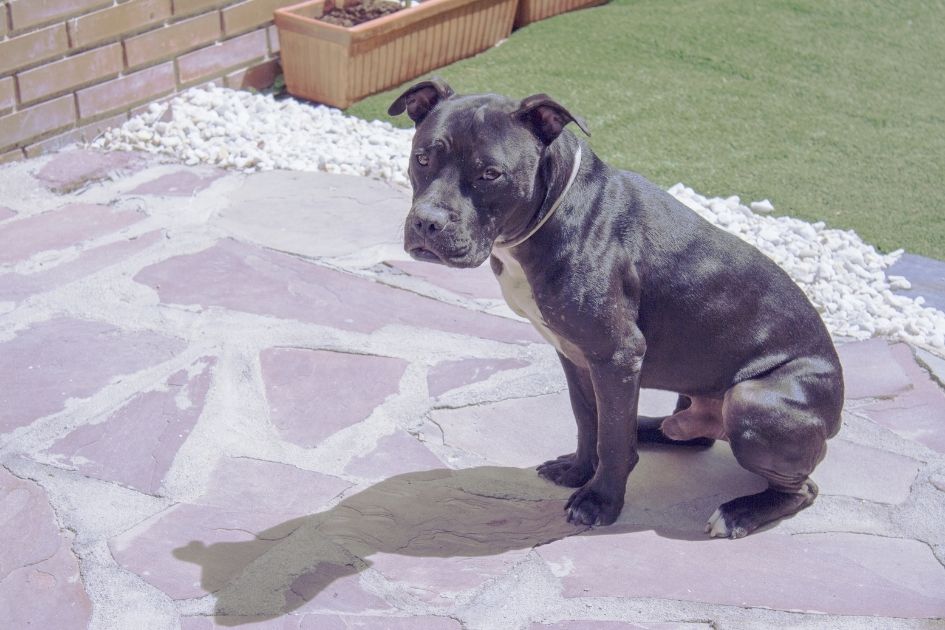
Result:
x=649 y=428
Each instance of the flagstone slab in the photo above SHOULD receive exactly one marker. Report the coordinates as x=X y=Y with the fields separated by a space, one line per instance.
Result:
x=40 y=584
x=850 y=470
x=323 y=622
x=836 y=573
x=917 y=414
x=192 y=549
x=6 y=213
x=517 y=432
x=185 y=183
x=871 y=371
x=59 y=359
x=136 y=445
x=394 y=454
x=438 y=533
x=617 y=625
x=58 y=229
x=250 y=279
x=277 y=209
x=16 y=287
x=927 y=276
x=314 y=393
x=449 y=375
x=478 y=282
x=70 y=170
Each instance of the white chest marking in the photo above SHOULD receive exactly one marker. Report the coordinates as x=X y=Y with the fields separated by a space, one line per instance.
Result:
x=519 y=296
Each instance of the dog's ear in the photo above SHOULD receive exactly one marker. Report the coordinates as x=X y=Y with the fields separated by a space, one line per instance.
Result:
x=546 y=118
x=420 y=99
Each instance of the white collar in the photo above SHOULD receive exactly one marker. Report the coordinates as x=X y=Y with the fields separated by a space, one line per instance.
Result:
x=551 y=211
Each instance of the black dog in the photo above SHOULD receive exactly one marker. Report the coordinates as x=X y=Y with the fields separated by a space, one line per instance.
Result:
x=634 y=290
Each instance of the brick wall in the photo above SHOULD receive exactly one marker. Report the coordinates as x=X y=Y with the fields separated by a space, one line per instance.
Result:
x=72 y=68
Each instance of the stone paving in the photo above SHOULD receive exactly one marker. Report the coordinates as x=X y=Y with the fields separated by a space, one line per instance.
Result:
x=229 y=400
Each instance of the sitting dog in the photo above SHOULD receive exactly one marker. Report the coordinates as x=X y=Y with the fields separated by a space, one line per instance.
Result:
x=634 y=290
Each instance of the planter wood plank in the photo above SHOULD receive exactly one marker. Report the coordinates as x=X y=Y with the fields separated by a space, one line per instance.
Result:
x=337 y=66
x=533 y=10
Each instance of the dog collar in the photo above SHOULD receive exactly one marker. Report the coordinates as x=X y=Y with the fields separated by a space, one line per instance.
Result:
x=551 y=211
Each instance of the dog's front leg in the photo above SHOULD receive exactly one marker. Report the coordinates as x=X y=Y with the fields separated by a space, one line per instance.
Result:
x=617 y=388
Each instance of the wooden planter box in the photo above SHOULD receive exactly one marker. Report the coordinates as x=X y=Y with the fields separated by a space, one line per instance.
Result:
x=337 y=65
x=533 y=10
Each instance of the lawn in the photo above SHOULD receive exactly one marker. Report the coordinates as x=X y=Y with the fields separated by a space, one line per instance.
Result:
x=834 y=110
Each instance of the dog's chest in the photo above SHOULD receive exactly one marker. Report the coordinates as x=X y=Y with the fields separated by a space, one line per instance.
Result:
x=519 y=296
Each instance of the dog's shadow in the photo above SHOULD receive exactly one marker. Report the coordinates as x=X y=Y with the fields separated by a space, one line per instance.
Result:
x=482 y=511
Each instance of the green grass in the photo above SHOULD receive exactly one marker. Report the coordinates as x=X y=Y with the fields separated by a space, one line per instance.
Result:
x=835 y=110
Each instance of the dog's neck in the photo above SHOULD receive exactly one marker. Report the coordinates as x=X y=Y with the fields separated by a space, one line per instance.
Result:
x=539 y=219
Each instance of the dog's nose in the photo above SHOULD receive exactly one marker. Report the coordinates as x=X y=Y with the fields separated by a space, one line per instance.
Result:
x=429 y=219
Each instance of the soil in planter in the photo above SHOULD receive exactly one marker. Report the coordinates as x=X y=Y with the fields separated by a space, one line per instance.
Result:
x=361 y=12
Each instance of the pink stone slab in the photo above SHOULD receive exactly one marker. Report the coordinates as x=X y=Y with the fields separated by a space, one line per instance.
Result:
x=40 y=584
x=474 y=283
x=68 y=358
x=137 y=444
x=870 y=371
x=517 y=432
x=850 y=470
x=313 y=394
x=395 y=454
x=71 y=170
x=247 y=278
x=615 y=625
x=362 y=622
x=179 y=184
x=15 y=287
x=438 y=581
x=240 y=483
x=250 y=506
x=60 y=228
x=331 y=587
x=452 y=374
x=841 y=574
x=322 y=622
x=6 y=213
x=917 y=414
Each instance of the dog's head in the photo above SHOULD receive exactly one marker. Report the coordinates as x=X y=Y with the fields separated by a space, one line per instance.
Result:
x=478 y=168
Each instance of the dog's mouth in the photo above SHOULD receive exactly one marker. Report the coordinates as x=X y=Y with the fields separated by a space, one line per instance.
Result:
x=453 y=259
x=426 y=255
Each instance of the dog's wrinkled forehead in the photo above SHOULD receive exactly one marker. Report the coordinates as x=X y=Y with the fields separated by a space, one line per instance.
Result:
x=472 y=123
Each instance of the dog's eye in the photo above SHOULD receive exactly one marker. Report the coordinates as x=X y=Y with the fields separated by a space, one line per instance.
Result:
x=423 y=159
x=491 y=173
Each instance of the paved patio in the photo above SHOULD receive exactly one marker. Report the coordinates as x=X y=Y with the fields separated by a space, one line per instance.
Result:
x=229 y=400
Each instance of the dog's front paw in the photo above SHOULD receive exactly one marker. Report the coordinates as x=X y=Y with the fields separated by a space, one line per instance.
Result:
x=566 y=471
x=588 y=506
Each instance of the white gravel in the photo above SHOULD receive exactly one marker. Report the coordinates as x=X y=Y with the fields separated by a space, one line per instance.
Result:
x=843 y=276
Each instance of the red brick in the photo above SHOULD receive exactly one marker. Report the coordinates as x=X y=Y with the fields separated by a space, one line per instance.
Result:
x=129 y=90
x=258 y=77
x=36 y=121
x=119 y=20
x=251 y=14
x=7 y=95
x=28 y=50
x=172 y=40
x=69 y=73
x=83 y=135
x=217 y=59
x=274 y=46
x=187 y=7
x=28 y=13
